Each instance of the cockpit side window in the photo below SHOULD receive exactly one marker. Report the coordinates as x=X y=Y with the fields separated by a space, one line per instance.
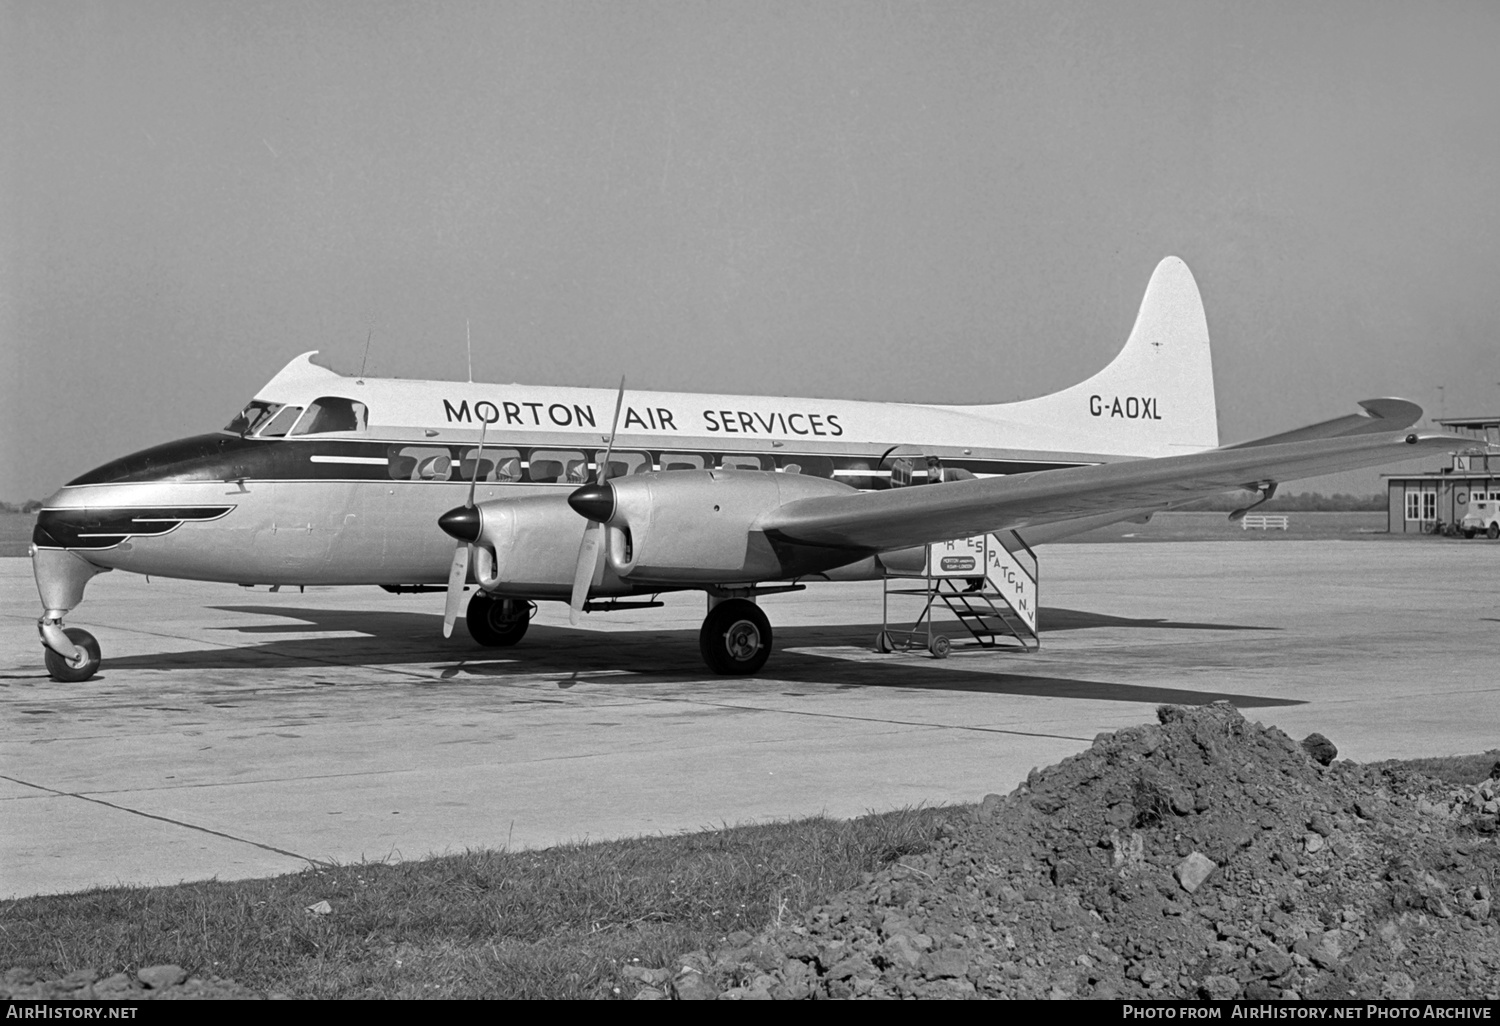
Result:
x=279 y=423
x=331 y=413
x=255 y=415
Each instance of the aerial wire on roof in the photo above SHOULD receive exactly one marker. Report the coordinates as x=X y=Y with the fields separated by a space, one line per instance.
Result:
x=368 y=335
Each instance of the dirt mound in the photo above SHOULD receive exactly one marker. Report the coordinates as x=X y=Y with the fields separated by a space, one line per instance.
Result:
x=1204 y=856
x=152 y=983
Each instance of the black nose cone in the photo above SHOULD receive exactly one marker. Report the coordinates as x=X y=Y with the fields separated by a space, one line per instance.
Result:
x=462 y=523
x=594 y=501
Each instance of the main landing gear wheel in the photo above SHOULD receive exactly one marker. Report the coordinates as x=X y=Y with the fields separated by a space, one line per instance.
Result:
x=736 y=638
x=497 y=622
x=62 y=670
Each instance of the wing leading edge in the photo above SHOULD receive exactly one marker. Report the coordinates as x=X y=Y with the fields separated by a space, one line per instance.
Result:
x=878 y=521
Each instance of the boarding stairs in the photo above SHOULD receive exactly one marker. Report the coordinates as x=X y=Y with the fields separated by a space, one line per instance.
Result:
x=989 y=585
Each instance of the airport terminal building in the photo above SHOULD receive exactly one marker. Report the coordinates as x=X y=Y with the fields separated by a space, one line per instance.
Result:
x=1435 y=501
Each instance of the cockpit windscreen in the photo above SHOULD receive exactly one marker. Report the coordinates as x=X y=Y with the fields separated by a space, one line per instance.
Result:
x=252 y=417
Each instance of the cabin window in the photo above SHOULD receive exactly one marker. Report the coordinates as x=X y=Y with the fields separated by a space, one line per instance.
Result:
x=280 y=423
x=624 y=464
x=902 y=472
x=746 y=461
x=331 y=413
x=813 y=466
x=419 y=463
x=858 y=474
x=494 y=464
x=551 y=466
x=683 y=461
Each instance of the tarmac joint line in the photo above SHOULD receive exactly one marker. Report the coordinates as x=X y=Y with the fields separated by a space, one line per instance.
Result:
x=165 y=819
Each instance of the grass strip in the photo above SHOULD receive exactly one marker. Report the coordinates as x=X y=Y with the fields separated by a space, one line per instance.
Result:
x=556 y=923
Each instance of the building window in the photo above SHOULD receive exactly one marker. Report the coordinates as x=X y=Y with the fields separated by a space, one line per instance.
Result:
x=1413 y=505
x=1429 y=505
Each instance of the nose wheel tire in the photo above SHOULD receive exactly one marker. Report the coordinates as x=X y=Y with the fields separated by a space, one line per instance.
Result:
x=497 y=622
x=736 y=638
x=61 y=670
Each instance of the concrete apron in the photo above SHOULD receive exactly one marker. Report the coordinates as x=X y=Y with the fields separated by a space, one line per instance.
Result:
x=238 y=733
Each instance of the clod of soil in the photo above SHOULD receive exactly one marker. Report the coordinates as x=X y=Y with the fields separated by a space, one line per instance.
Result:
x=1201 y=857
x=151 y=983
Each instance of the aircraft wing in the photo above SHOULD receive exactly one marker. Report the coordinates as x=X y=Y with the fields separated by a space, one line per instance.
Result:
x=1381 y=415
x=927 y=513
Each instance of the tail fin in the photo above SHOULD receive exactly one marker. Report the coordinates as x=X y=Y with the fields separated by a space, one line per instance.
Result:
x=1156 y=398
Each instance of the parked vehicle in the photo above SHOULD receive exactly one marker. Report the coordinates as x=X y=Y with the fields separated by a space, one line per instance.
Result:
x=1483 y=515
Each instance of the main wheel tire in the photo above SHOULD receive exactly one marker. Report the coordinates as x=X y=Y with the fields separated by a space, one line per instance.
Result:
x=736 y=638
x=497 y=622
x=60 y=669
x=1494 y=531
x=883 y=642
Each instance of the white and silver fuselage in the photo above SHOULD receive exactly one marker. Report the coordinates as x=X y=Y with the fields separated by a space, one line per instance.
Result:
x=333 y=480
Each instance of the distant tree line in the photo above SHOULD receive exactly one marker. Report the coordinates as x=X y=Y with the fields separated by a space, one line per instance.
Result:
x=1309 y=502
x=29 y=506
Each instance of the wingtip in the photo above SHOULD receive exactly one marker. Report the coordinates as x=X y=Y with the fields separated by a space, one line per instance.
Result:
x=1399 y=412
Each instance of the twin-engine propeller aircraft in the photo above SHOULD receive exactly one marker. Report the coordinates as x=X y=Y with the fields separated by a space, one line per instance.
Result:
x=324 y=479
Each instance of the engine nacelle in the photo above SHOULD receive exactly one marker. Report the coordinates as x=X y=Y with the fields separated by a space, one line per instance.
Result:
x=534 y=542
x=699 y=527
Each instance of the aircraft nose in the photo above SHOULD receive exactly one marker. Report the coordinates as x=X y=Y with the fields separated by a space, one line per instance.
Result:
x=462 y=523
x=594 y=501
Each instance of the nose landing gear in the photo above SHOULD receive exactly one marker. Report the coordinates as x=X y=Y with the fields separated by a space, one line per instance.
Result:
x=71 y=653
x=85 y=662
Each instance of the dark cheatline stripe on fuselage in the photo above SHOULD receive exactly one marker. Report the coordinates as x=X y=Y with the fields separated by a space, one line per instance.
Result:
x=228 y=457
x=105 y=527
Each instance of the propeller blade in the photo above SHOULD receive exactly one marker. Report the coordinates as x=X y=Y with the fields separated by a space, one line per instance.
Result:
x=609 y=447
x=591 y=548
x=457 y=574
x=590 y=554
x=474 y=480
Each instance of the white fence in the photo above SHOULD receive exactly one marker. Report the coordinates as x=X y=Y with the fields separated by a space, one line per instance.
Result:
x=1263 y=522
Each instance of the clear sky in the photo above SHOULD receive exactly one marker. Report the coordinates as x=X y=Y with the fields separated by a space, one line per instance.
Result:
x=949 y=202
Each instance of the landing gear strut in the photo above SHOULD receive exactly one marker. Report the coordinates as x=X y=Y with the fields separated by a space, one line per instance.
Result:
x=736 y=638
x=497 y=622
x=71 y=654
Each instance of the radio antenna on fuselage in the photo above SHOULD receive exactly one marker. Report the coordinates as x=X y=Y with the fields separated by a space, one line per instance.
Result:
x=368 y=335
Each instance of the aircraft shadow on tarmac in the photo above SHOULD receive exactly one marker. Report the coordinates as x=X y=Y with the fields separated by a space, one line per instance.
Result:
x=1056 y=619
x=633 y=657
